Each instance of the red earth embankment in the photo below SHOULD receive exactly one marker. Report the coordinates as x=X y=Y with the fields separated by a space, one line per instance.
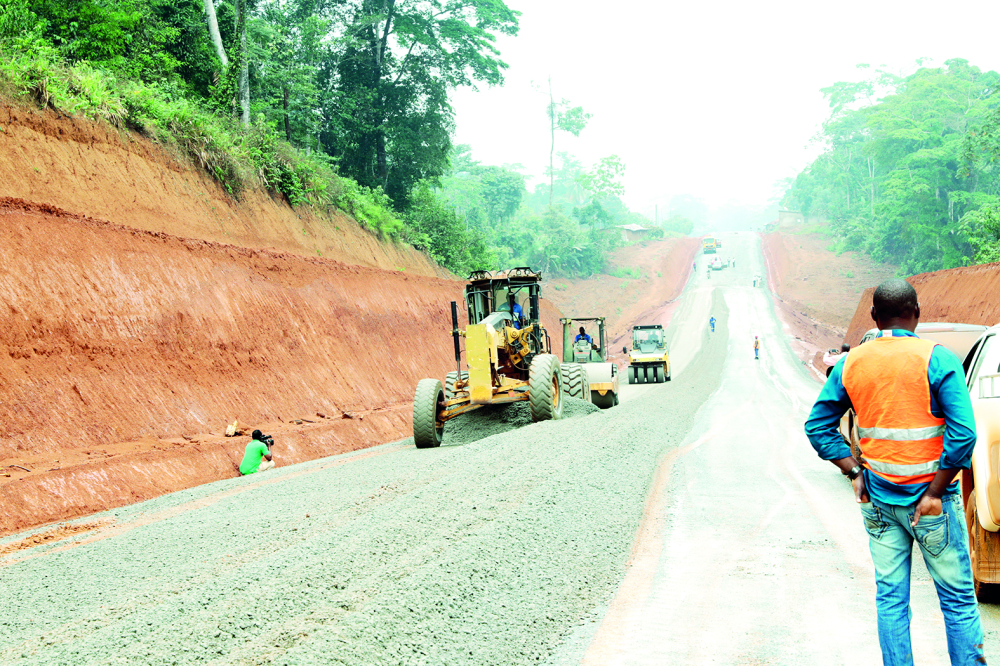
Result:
x=124 y=353
x=816 y=291
x=95 y=170
x=958 y=295
x=662 y=269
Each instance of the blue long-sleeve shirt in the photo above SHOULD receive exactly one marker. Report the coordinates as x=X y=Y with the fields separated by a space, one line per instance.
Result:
x=949 y=400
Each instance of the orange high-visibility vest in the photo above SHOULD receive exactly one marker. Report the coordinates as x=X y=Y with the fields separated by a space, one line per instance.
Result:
x=886 y=379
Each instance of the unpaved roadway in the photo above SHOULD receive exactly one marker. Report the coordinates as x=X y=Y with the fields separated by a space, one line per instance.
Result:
x=692 y=524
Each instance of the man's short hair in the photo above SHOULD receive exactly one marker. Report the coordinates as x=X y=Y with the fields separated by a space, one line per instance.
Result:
x=895 y=298
x=844 y=348
x=257 y=434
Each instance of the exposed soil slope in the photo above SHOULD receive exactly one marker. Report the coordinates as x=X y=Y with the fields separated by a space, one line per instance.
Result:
x=816 y=290
x=959 y=295
x=91 y=169
x=665 y=267
x=126 y=352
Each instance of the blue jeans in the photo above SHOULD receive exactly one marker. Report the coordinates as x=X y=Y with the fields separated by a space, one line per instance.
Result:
x=944 y=543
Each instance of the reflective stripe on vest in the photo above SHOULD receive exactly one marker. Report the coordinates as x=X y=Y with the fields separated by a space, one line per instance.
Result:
x=886 y=379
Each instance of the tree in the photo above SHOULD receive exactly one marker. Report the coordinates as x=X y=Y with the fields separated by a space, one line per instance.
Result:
x=565 y=118
x=213 y=31
x=891 y=178
x=389 y=122
x=604 y=180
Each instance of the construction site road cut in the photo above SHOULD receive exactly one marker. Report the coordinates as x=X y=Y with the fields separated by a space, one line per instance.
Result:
x=692 y=524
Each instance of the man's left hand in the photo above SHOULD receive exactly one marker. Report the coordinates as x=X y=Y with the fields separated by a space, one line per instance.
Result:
x=927 y=506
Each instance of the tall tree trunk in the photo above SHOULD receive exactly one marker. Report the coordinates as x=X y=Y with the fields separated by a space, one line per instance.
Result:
x=244 y=82
x=552 y=147
x=381 y=44
x=383 y=162
x=288 y=124
x=213 y=31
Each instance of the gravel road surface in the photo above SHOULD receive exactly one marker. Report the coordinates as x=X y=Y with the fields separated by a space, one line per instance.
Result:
x=484 y=551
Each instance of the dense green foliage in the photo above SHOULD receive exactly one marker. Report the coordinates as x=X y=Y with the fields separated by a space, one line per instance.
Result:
x=348 y=98
x=572 y=237
x=904 y=175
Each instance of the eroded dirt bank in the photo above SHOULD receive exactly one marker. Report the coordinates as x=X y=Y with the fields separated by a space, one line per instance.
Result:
x=959 y=295
x=124 y=354
x=92 y=169
x=816 y=291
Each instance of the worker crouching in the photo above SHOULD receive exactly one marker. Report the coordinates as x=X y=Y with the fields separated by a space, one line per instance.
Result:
x=257 y=457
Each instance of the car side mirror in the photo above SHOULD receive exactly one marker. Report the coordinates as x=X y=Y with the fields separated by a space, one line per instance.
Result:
x=624 y=350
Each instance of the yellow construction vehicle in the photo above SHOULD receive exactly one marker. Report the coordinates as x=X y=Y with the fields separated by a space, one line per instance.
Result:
x=649 y=360
x=586 y=374
x=508 y=354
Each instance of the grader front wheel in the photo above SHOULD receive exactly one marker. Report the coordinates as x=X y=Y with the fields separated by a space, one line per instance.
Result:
x=427 y=432
x=545 y=388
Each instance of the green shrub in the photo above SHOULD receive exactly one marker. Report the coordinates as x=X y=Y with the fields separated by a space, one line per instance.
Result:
x=627 y=273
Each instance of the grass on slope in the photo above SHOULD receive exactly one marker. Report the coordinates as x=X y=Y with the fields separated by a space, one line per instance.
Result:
x=239 y=158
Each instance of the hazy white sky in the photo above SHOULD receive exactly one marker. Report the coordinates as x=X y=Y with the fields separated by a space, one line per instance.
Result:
x=715 y=99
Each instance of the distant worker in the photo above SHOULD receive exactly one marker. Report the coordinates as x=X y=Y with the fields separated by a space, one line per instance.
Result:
x=711 y=323
x=257 y=457
x=831 y=357
x=756 y=348
x=694 y=265
x=917 y=432
x=583 y=336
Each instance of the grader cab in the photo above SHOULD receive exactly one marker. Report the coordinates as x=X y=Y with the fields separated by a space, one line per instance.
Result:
x=508 y=353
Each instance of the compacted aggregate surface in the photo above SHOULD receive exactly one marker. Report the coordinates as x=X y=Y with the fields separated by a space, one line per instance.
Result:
x=483 y=551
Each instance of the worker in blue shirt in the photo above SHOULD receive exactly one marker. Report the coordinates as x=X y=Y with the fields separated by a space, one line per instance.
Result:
x=518 y=314
x=582 y=335
x=711 y=323
x=917 y=432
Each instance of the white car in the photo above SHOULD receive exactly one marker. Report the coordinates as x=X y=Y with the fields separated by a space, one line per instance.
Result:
x=981 y=486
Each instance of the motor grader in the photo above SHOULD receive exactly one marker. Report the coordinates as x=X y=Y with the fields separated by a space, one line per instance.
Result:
x=587 y=375
x=508 y=353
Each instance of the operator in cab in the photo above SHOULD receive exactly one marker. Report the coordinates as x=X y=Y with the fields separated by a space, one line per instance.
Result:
x=583 y=336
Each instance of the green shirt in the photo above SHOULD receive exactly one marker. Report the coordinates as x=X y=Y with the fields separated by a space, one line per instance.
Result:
x=251 y=459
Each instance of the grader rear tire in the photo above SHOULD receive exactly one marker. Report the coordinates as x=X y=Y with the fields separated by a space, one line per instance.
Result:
x=449 y=383
x=545 y=388
x=575 y=382
x=427 y=434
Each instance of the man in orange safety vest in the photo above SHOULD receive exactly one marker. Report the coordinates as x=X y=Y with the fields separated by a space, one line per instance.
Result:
x=917 y=431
